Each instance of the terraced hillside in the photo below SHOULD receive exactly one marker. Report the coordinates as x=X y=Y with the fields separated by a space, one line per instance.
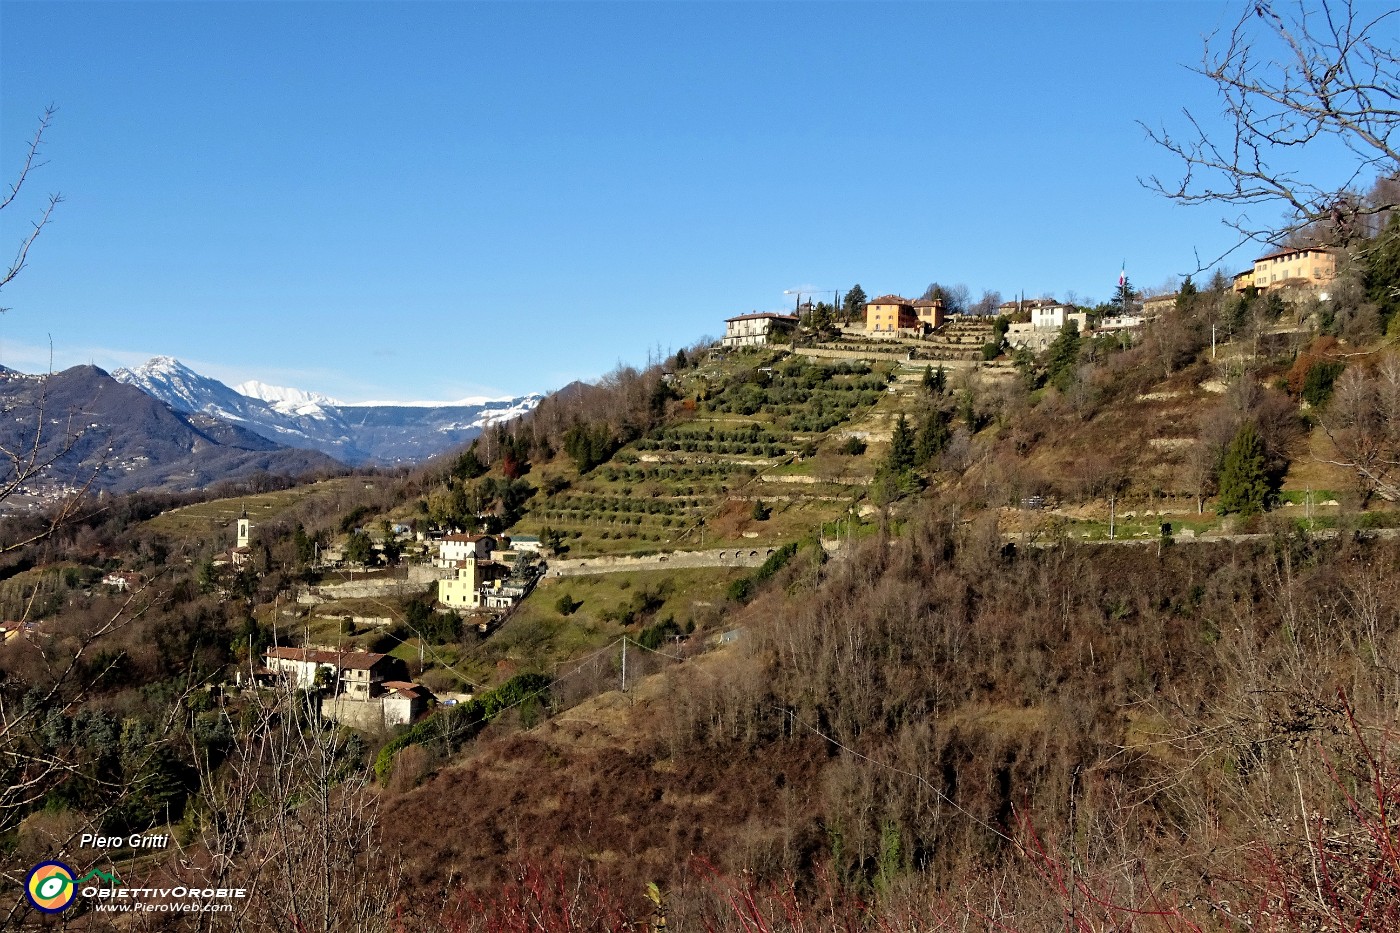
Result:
x=763 y=455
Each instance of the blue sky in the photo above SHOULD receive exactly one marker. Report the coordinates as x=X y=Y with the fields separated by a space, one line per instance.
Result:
x=433 y=200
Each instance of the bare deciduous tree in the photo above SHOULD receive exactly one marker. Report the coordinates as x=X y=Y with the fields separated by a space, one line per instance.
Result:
x=292 y=818
x=35 y=455
x=1312 y=80
x=1363 y=422
x=29 y=767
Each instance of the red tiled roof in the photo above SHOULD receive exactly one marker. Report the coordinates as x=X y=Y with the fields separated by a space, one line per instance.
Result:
x=888 y=300
x=463 y=537
x=412 y=691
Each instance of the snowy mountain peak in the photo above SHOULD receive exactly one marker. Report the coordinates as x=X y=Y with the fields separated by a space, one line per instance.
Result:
x=282 y=397
x=386 y=432
x=157 y=367
x=180 y=387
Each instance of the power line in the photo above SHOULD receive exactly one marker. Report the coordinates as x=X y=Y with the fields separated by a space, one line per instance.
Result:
x=918 y=777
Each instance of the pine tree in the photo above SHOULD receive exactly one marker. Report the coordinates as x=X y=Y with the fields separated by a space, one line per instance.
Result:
x=1063 y=355
x=901 y=455
x=1186 y=295
x=854 y=305
x=1124 y=297
x=1244 y=479
x=468 y=465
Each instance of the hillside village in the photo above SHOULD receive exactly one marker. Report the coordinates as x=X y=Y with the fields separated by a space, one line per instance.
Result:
x=916 y=610
x=610 y=554
x=784 y=431
x=780 y=432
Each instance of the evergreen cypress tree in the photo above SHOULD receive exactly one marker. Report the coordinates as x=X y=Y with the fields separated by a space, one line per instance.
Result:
x=1244 y=480
x=901 y=455
x=1063 y=355
x=934 y=435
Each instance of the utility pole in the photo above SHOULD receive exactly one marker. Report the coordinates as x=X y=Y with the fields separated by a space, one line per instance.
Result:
x=624 y=663
x=1112 y=514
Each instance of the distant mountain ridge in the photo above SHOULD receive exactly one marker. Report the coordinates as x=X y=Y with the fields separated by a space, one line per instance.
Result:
x=122 y=440
x=367 y=433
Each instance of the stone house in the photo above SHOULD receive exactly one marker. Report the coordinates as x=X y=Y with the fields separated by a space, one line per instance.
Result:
x=360 y=688
x=756 y=330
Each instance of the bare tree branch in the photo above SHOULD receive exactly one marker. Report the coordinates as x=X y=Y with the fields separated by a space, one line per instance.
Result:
x=1311 y=81
x=30 y=164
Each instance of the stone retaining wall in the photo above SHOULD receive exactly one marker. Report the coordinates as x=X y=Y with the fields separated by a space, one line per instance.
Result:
x=418 y=578
x=749 y=556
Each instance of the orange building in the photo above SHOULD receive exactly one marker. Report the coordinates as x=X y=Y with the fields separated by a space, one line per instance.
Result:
x=890 y=313
x=1310 y=266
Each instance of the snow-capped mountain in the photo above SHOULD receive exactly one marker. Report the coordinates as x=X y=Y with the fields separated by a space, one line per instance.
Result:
x=288 y=401
x=352 y=433
x=120 y=439
x=183 y=389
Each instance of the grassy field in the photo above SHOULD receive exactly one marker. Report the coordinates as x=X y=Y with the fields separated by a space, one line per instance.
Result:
x=539 y=635
x=204 y=517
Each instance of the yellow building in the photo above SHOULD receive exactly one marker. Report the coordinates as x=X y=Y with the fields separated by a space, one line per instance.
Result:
x=890 y=313
x=1244 y=280
x=930 y=313
x=461 y=588
x=1308 y=266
